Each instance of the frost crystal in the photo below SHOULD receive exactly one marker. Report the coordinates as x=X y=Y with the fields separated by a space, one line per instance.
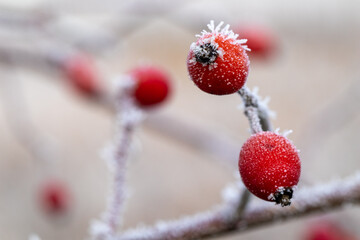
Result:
x=226 y=32
x=100 y=229
x=206 y=50
x=34 y=237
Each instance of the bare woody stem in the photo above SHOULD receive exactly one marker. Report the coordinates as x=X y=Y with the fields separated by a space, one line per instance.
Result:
x=128 y=118
x=324 y=197
x=117 y=199
x=255 y=111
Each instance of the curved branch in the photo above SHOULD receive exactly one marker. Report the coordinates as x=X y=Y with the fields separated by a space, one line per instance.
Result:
x=321 y=197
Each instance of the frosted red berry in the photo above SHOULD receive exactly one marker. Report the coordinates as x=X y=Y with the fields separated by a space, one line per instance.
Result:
x=54 y=197
x=217 y=62
x=152 y=85
x=261 y=40
x=81 y=72
x=270 y=167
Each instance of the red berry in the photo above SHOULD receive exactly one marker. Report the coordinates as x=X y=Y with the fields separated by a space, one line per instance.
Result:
x=217 y=62
x=81 y=72
x=152 y=85
x=269 y=166
x=54 y=197
x=261 y=41
x=327 y=230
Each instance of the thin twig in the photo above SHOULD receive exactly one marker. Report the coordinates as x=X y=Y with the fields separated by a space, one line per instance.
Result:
x=255 y=110
x=258 y=116
x=128 y=117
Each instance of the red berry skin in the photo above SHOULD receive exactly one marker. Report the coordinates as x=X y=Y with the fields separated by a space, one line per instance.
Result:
x=267 y=163
x=54 y=197
x=152 y=86
x=327 y=230
x=217 y=62
x=261 y=40
x=81 y=72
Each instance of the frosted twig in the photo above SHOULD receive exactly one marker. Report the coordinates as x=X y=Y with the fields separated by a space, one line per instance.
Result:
x=192 y=227
x=256 y=112
x=128 y=117
x=321 y=197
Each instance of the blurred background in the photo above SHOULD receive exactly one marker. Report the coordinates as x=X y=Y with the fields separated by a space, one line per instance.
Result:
x=49 y=130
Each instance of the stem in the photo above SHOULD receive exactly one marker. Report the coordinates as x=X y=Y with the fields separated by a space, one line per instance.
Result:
x=256 y=112
x=318 y=198
x=128 y=118
x=245 y=197
x=257 y=115
x=117 y=198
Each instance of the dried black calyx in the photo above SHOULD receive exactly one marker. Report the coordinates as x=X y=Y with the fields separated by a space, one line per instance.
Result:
x=206 y=53
x=283 y=196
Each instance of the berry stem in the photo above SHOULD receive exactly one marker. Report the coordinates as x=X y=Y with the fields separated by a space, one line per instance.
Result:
x=257 y=115
x=255 y=111
x=243 y=203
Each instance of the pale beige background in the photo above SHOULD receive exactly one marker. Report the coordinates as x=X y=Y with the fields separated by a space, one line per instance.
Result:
x=312 y=81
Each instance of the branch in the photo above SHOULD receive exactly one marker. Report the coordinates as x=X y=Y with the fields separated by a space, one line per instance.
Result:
x=129 y=116
x=321 y=197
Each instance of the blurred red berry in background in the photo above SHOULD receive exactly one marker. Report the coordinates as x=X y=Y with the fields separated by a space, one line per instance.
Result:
x=327 y=230
x=261 y=40
x=152 y=85
x=54 y=197
x=82 y=74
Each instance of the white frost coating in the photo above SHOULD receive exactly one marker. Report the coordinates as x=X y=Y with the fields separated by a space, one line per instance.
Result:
x=307 y=200
x=255 y=109
x=128 y=117
x=100 y=230
x=271 y=197
x=263 y=103
x=287 y=132
x=190 y=225
x=176 y=228
x=34 y=237
x=122 y=83
x=214 y=31
x=231 y=193
x=229 y=34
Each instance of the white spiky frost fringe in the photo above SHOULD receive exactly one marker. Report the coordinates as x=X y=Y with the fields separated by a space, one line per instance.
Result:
x=215 y=31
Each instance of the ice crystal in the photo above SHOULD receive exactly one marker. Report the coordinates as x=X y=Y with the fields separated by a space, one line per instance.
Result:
x=34 y=237
x=225 y=31
x=100 y=230
x=206 y=50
